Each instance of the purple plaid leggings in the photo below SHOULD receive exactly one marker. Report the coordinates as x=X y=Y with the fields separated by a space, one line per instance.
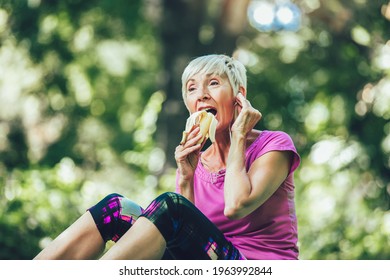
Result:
x=189 y=234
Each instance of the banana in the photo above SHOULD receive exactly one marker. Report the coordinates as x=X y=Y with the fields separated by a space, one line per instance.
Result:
x=207 y=124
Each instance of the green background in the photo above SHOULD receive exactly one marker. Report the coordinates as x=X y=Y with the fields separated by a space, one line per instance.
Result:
x=90 y=104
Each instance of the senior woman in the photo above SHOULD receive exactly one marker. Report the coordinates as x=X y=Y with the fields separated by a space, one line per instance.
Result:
x=233 y=200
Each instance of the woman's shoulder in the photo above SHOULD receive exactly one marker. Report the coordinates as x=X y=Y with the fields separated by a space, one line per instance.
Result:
x=267 y=139
x=268 y=135
x=252 y=137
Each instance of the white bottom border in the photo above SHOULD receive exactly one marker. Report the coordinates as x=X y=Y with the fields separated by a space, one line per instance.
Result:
x=275 y=270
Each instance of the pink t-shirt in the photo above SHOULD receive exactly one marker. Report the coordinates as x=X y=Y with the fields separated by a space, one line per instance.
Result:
x=270 y=231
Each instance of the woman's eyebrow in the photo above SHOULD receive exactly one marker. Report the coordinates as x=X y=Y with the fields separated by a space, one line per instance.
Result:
x=208 y=76
x=190 y=81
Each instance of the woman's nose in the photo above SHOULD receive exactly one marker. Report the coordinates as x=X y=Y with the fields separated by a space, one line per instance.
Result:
x=203 y=94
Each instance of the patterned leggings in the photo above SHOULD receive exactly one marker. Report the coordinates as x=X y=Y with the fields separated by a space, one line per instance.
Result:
x=187 y=232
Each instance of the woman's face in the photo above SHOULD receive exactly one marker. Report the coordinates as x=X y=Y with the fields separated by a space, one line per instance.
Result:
x=212 y=93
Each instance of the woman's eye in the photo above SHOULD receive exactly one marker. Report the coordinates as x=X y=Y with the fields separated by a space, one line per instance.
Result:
x=214 y=82
x=191 y=89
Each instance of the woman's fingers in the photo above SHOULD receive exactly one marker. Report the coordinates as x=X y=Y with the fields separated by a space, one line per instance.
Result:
x=242 y=101
x=243 y=105
x=190 y=145
x=193 y=137
x=248 y=116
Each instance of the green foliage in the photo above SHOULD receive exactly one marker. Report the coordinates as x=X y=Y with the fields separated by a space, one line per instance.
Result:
x=82 y=90
x=326 y=86
x=78 y=112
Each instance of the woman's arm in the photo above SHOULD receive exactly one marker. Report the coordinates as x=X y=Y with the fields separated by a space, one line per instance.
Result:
x=245 y=191
x=187 y=156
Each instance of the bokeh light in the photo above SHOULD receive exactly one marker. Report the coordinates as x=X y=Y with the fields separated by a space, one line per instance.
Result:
x=273 y=16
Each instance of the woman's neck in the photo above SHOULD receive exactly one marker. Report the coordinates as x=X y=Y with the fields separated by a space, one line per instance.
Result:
x=214 y=158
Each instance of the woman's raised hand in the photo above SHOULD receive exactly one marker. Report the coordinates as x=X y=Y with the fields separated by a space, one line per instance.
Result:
x=247 y=118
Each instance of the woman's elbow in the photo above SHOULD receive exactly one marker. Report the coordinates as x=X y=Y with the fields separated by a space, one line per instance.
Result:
x=233 y=212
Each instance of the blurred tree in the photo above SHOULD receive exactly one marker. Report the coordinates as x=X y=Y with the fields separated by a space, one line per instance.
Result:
x=77 y=114
x=188 y=29
x=91 y=101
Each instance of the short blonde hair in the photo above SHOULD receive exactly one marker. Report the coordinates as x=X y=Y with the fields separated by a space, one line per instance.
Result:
x=217 y=64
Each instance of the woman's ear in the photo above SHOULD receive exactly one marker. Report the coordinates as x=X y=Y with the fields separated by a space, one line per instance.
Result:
x=242 y=90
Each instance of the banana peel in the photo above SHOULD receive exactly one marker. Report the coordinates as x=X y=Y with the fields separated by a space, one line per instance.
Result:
x=207 y=124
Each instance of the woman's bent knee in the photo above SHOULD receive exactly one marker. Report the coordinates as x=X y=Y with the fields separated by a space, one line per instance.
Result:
x=114 y=215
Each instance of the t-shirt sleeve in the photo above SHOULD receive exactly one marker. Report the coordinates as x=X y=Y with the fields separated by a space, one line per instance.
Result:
x=273 y=141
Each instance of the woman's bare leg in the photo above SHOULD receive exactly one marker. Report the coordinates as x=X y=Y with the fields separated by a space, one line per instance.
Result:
x=81 y=240
x=143 y=241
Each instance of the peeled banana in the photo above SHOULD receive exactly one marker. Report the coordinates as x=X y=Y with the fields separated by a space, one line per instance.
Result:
x=207 y=124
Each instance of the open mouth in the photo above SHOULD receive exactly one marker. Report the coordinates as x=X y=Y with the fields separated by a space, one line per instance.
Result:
x=212 y=111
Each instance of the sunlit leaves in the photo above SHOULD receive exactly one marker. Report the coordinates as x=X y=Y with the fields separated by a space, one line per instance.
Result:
x=80 y=99
x=327 y=85
x=77 y=90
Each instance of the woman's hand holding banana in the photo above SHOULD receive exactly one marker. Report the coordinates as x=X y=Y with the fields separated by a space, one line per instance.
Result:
x=207 y=124
x=200 y=126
